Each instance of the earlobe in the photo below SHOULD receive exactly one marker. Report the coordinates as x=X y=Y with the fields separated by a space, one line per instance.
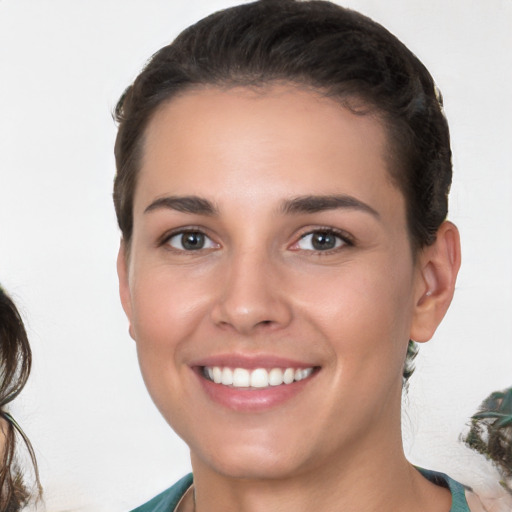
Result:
x=124 y=285
x=438 y=266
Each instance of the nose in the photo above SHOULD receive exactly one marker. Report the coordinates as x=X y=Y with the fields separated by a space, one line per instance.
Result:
x=252 y=296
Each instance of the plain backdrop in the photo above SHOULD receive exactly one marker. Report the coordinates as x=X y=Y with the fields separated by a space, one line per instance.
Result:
x=101 y=444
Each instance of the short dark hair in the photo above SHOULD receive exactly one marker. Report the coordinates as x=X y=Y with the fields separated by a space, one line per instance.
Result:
x=331 y=50
x=335 y=51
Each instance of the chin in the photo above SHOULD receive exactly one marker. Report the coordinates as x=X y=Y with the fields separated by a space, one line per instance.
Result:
x=257 y=457
x=252 y=464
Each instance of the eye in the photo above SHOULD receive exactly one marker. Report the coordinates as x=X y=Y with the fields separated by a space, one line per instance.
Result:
x=191 y=241
x=321 y=240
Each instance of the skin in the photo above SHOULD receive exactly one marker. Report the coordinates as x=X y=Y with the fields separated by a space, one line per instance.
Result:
x=3 y=436
x=259 y=287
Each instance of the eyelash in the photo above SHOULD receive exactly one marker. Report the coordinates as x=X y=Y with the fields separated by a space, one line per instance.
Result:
x=164 y=240
x=345 y=239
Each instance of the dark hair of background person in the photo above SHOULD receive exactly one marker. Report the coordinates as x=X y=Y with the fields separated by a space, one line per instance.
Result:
x=15 y=364
x=491 y=433
x=320 y=46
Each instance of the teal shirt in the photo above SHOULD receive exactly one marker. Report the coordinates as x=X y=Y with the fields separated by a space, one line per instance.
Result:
x=167 y=501
x=459 y=503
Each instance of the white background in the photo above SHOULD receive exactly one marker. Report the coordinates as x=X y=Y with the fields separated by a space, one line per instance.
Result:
x=101 y=444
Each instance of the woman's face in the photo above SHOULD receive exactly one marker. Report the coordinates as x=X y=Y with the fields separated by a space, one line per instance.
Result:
x=270 y=244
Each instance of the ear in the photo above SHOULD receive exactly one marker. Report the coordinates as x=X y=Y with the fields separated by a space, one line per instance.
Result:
x=438 y=266
x=124 y=282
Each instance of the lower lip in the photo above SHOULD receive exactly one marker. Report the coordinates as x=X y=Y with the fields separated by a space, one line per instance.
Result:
x=251 y=399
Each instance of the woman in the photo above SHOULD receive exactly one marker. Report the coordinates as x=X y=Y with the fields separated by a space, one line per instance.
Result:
x=282 y=179
x=15 y=363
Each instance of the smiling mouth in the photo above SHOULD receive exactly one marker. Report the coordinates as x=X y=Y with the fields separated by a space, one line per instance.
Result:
x=257 y=378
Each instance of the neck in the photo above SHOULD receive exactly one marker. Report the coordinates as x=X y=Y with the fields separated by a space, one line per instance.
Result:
x=378 y=478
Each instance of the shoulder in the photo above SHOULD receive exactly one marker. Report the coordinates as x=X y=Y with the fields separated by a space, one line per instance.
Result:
x=167 y=500
x=457 y=490
x=464 y=499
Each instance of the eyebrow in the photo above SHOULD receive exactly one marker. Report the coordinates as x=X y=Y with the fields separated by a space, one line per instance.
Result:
x=302 y=204
x=314 y=204
x=186 y=204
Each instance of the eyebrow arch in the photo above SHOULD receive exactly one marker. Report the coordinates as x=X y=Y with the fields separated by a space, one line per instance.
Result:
x=186 y=204
x=314 y=204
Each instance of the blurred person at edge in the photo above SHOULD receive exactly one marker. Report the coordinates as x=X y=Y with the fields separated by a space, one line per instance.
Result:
x=490 y=434
x=15 y=364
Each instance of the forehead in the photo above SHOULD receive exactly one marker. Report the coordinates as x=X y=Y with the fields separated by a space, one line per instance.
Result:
x=265 y=141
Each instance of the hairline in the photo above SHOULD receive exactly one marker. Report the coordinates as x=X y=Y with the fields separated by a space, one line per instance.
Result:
x=354 y=102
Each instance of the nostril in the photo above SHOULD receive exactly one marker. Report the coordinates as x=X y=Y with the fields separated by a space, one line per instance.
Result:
x=245 y=307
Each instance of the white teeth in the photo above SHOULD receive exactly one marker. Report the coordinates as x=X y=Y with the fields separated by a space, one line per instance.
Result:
x=227 y=376
x=275 y=377
x=289 y=375
x=258 y=378
x=241 y=378
x=301 y=374
x=217 y=374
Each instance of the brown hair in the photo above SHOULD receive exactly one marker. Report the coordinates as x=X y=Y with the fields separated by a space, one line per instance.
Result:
x=15 y=365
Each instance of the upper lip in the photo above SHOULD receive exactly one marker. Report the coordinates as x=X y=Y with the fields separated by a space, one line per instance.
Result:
x=251 y=361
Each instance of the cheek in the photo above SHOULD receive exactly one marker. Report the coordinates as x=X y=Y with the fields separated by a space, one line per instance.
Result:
x=166 y=307
x=364 y=311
